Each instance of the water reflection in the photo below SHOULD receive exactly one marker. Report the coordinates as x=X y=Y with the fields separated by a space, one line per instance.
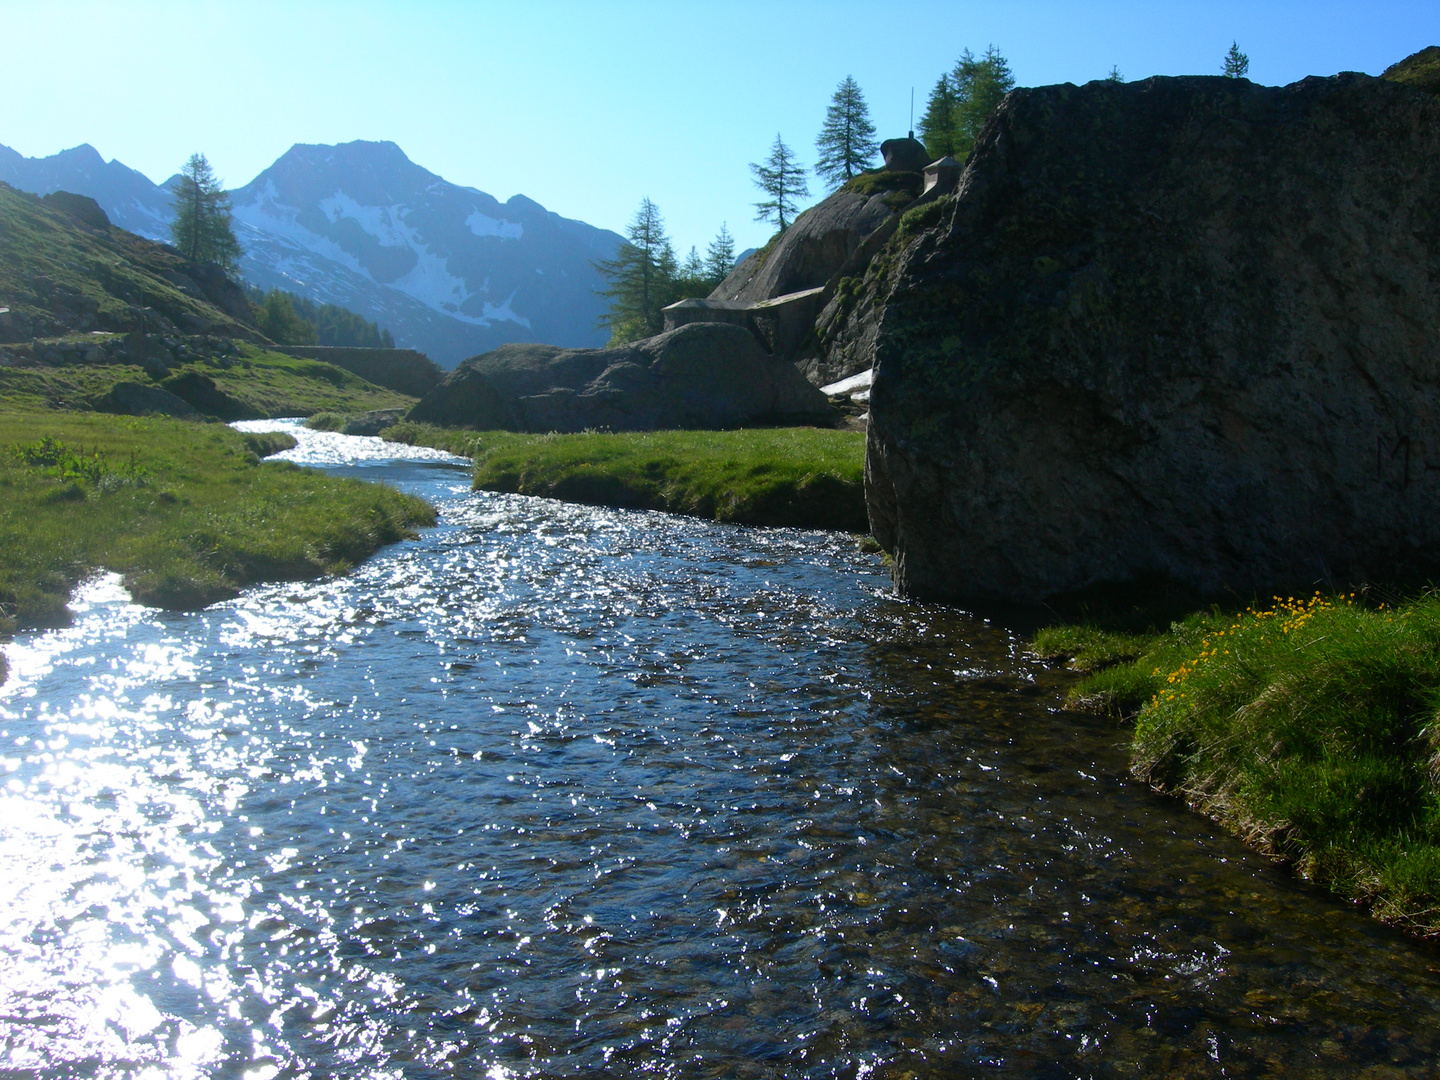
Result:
x=559 y=791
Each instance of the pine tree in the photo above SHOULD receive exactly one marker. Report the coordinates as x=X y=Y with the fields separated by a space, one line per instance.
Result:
x=1237 y=64
x=720 y=256
x=783 y=179
x=846 y=143
x=640 y=278
x=937 y=126
x=1114 y=75
x=979 y=86
x=281 y=323
x=202 y=229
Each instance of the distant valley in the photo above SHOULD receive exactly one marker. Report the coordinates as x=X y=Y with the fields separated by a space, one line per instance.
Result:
x=449 y=270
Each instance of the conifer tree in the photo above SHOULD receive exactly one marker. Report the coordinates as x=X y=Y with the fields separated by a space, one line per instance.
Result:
x=281 y=323
x=720 y=256
x=1237 y=64
x=783 y=179
x=937 y=126
x=202 y=229
x=979 y=85
x=846 y=143
x=640 y=278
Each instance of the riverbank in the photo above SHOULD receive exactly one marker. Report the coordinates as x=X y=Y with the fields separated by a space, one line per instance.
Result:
x=186 y=512
x=1306 y=727
x=803 y=477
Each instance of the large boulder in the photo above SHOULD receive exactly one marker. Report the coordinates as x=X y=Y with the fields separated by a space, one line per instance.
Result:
x=815 y=247
x=702 y=375
x=1183 y=329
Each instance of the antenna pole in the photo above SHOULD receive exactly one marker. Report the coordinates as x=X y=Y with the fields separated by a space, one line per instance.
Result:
x=912 y=112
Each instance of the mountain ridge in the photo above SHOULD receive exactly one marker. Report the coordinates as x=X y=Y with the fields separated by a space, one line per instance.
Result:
x=448 y=269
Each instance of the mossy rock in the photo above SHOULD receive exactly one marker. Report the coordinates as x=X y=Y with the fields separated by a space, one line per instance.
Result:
x=1420 y=70
x=899 y=188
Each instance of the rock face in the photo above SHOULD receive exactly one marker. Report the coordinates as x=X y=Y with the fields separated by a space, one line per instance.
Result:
x=810 y=251
x=702 y=375
x=1185 y=329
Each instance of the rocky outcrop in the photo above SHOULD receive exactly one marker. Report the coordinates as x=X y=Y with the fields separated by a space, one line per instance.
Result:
x=810 y=252
x=137 y=399
x=1182 y=329
x=702 y=375
x=80 y=207
x=403 y=370
x=202 y=393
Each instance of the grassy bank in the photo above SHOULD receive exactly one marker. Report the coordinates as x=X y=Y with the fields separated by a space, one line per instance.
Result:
x=254 y=383
x=187 y=512
x=1309 y=727
x=807 y=477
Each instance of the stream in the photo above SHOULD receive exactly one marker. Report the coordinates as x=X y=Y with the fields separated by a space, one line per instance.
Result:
x=566 y=791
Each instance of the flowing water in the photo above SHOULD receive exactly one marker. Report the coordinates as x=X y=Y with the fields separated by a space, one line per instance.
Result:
x=565 y=791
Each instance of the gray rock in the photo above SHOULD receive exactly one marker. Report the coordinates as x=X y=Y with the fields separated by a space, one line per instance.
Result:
x=1184 y=329
x=149 y=352
x=205 y=396
x=904 y=155
x=815 y=248
x=137 y=399
x=372 y=422
x=702 y=375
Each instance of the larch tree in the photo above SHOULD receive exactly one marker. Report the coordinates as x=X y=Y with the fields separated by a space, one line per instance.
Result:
x=1237 y=64
x=782 y=178
x=640 y=278
x=720 y=256
x=202 y=228
x=846 y=143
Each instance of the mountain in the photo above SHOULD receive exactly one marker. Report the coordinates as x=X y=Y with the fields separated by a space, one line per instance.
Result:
x=128 y=198
x=448 y=270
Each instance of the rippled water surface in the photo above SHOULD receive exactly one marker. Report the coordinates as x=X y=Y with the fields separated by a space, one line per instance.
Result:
x=564 y=791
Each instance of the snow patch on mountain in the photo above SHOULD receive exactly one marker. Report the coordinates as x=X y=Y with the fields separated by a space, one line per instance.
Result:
x=484 y=225
x=385 y=223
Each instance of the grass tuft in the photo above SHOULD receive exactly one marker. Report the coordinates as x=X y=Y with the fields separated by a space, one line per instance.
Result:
x=804 y=477
x=1311 y=727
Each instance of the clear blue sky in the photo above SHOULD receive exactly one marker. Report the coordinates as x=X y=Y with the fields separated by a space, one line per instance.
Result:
x=587 y=107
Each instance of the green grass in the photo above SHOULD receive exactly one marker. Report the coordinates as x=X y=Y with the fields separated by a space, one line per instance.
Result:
x=275 y=384
x=807 y=477
x=1309 y=728
x=53 y=273
x=188 y=513
x=262 y=383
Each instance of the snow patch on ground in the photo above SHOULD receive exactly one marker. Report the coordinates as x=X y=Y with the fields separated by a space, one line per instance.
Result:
x=484 y=225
